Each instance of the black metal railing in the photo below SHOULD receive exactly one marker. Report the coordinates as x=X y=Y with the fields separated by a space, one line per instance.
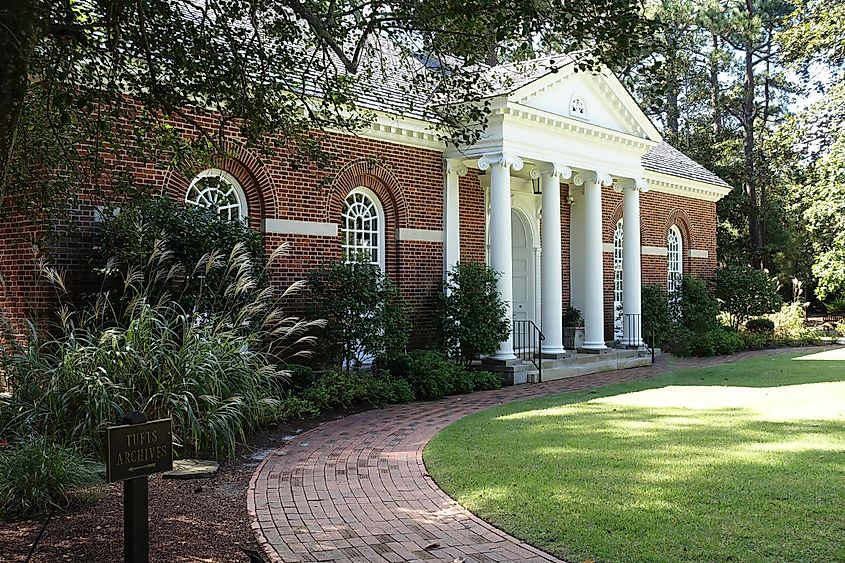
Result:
x=527 y=343
x=632 y=334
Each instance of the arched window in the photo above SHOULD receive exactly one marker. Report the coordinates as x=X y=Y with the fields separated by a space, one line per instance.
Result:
x=675 y=248
x=617 y=280
x=363 y=227
x=219 y=191
x=577 y=107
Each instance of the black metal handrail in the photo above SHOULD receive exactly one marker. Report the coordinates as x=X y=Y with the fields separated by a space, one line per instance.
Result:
x=527 y=343
x=632 y=333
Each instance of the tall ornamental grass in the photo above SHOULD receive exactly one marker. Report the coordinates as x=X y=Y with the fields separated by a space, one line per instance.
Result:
x=215 y=371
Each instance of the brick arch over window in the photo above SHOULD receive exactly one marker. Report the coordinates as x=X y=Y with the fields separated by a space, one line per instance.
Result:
x=383 y=183
x=679 y=218
x=610 y=229
x=247 y=169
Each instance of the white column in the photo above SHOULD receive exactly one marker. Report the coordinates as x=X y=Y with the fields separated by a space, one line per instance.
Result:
x=501 y=251
x=576 y=247
x=452 y=168
x=593 y=259
x=551 y=276
x=631 y=263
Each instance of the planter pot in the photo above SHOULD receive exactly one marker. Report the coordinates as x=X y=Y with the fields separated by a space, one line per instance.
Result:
x=573 y=338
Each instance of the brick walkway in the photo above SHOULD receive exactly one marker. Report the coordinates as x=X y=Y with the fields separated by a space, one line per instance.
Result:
x=356 y=488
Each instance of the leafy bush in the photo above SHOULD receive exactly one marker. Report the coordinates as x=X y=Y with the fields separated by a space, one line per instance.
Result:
x=215 y=373
x=292 y=408
x=37 y=474
x=790 y=318
x=429 y=374
x=463 y=382
x=130 y=235
x=702 y=345
x=474 y=319
x=745 y=292
x=697 y=309
x=336 y=389
x=365 y=314
x=572 y=318
x=680 y=341
x=760 y=326
x=726 y=341
x=485 y=381
x=756 y=340
x=656 y=319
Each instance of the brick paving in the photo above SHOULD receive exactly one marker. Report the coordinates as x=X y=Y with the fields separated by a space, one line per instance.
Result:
x=356 y=489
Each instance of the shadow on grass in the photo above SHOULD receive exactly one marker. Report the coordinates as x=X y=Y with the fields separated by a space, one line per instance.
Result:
x=656 y=471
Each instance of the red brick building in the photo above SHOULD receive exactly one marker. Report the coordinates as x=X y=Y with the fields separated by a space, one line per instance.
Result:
x=570 y=193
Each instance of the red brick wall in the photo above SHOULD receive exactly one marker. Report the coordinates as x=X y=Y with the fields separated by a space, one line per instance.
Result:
x=409 y=184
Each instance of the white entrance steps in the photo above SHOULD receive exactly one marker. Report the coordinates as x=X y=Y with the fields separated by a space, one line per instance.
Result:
x=574 y=364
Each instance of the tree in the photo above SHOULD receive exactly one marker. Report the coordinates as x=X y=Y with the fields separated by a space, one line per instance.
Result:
x=475 y=318
x=745 y=292
x=365 y=314
x=100 y=71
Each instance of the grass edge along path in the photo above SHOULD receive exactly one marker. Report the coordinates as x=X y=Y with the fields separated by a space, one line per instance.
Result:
x=736 y=462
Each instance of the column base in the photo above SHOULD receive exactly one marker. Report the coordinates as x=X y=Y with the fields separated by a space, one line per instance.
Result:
x=500 y=360
x=594 y=349
x=553 y=353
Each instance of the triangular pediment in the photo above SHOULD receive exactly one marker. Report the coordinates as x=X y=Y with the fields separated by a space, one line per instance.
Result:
x=599 y=99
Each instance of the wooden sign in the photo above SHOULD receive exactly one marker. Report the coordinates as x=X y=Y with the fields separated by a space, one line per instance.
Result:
x=139 y=450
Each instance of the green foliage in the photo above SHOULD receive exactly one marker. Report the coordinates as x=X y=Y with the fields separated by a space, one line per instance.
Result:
x=290 y=409
x=486 y=381
x=215 y=373
x=428 y=372
x=37 y=475
x=474 y=319
x=572 y=318
x=760 y=326
x=365 y=314
x=130 y=235
x=656 y=319
x=337 y=389
x=756 y=340
x=697 y=310
x=744 y=292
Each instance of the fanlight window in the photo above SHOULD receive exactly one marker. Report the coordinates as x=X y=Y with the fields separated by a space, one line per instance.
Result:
x=577 y=107
x=218 y=191
x=674 y=245
x=363 y=228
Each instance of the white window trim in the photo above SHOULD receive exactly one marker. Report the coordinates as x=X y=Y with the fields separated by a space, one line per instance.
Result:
x=580 y=98
x=229 y=179
x=678 y=259
x=617 y=278
x=381 y=223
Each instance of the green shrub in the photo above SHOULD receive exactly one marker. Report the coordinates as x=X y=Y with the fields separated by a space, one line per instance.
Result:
x=473 y=319
x=300 y=377
x=485 y=381
x=292 y=408
x=744 y=292
x=726 y=341
x=680 y=342
x=365 y=314
x=702 y=345
x=337 y=389
x=760 y=326
x=463 y=382
x=429 y=374
x=130 y=235
x=37 y=475
x=696 y=308
x=656 y=320
x=572 y=318
x=756 y=340
x=215 y=373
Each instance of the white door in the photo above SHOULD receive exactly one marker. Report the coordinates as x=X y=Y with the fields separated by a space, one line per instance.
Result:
x=523 y=269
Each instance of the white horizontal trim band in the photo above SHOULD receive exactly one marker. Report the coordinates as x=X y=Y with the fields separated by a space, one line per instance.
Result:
x=424 y=235
x=644 y=251
x=693 y=253
x=289 y=227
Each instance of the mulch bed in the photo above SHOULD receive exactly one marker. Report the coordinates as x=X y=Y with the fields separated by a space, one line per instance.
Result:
x=202 y=520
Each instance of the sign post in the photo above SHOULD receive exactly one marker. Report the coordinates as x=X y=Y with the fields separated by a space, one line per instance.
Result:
x=136 y=450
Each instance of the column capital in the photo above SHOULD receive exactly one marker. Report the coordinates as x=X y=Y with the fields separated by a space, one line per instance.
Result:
x=636 y=184
x=592 y=177
x=556 y=169
x=454 y=166
x=504 y=159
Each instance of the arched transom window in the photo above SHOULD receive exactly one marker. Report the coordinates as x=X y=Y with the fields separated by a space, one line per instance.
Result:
x=219 y=191
x=363 y=227
x=577 y=107
x=617 y=279
x=675 y=248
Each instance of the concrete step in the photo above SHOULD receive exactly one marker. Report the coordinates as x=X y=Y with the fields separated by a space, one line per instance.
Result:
x=577 y=369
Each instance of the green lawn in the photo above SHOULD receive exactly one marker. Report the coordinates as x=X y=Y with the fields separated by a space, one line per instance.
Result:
x=741 y=462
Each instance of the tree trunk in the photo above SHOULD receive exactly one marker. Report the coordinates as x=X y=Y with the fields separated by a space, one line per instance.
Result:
x=714 y=86
x=750 y=172
x=21 y=34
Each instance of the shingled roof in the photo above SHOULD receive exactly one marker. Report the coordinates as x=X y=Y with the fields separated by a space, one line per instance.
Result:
x=667 y=159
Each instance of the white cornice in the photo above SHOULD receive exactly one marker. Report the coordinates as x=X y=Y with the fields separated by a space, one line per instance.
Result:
x=666 y=183
x=404 y=131
x=576 y=126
